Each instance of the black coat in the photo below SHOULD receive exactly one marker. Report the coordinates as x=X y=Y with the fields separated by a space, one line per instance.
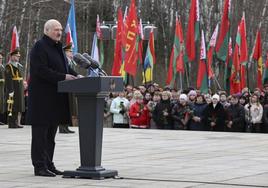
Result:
x=48 y=66
x=161 y=121
x=216 y=115
x=236 y=114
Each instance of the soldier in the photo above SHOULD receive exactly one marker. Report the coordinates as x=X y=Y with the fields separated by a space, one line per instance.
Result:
x=14 y=89
x=2 y=91
x=72 y=100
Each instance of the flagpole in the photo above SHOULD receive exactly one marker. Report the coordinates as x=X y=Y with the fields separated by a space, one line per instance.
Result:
x=181 y=80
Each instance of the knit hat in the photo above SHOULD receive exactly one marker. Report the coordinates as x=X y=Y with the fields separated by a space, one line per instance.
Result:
x=183 y=97
x=192 y=92
x=216 y=96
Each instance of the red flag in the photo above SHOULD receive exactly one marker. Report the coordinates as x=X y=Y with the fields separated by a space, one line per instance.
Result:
x=131 y=55
x=257 y=55
x=14 y=40
x=179 y=34
x=243 y=51
x=193 y=30
x=118 y=45
x=69 y=39
x=170 y=68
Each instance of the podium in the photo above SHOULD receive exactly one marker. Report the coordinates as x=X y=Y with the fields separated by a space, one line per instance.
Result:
x=90 y=93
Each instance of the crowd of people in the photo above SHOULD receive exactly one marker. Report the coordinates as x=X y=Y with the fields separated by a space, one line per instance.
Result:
x=152 y=107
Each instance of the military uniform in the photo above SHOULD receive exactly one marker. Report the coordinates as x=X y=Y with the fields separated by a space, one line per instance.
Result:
x=14 y=83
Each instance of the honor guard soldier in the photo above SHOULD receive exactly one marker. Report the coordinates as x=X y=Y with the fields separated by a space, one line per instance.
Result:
x=72 y=100
x=14 y=89
x=2 y=91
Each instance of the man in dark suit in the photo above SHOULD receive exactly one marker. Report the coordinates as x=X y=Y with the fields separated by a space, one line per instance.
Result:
x=46 y=107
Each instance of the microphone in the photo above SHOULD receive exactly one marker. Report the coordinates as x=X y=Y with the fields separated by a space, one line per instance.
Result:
x=81 y=61
x=94 y=64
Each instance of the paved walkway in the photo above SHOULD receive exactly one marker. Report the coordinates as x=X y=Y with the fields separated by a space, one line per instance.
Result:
x=145 y=158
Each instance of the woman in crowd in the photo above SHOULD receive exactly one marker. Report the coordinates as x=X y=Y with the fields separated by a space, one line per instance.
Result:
x=139 y=114
x=162 y=112
x=214 y=115
x=254 y=112
x=151 y=106
x=235 y=121
x=181 y=113
x=197 y=122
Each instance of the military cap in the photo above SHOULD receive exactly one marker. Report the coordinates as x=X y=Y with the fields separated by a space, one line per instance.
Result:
x=15 y=52
x=68 y=48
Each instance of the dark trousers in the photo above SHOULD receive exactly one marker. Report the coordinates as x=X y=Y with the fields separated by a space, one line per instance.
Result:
x=13 y=120
x=43 y=145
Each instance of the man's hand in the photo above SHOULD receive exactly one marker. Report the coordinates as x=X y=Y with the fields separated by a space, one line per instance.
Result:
x=69 y=77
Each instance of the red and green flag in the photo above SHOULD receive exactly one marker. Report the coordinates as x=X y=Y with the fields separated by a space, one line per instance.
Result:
x=211 y=49
x=118 y=45
x=131 y=31
x=235 y=79
x=257 y=55
x=223 y=39
x=243 y=51
x=202 y=76
x=265 y=74
x=193 y=33
x=228 y=68
x=177 y=54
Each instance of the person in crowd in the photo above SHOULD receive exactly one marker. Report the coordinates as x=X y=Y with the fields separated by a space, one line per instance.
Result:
x=119 y=108
x=129 y=96
x=2 y=91
x=151 y=107
x=265 y=118
x=129 y=89
x=208 y=98
x=235 y=120
x=254 y=112
x=162 y=112
x=142 y=89
x=108 y=116
x=192 y=96
x=223 y=100
x=47 y=108
x=243 y=100
x=197 y=121
x=181 y=113
x=175 y=98
x=147 y=97
x=214 y=115
x=151 y=89
x=139 y=114
x=135 y=94
x=14 y=89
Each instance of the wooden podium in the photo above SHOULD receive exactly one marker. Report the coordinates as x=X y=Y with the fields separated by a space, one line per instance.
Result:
x=90 y=93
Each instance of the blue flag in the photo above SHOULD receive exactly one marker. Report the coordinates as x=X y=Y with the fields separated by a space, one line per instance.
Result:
x=72 y=23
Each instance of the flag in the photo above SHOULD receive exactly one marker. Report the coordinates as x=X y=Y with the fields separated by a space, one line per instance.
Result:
x=228 y=68
x=69 y=39
x=265 y=75
x=99 y=36
x=149 y=61
x=235 y=73
x=131 y=54
x=193 y=30
x=176 y=58
x=222 y=43
x=211 y=48
x=243 y=51
x=95 y=49
x=140 y=42
x=72 y=25
x=14 y=40
x=118 y=45
x=202 y=79
x=257 y=55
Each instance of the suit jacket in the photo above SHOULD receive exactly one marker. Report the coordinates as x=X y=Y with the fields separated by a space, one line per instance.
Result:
x=48 y=66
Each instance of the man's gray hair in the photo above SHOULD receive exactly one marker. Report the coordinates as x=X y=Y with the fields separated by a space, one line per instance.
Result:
x=49 y=25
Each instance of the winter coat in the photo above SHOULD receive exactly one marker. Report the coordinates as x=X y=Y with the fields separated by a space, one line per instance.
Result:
x=236 y=114
x=139 y=116
x=163 y=122
x=198 y=110
x=118 y=104
x=181 y=116
x=48 y=66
